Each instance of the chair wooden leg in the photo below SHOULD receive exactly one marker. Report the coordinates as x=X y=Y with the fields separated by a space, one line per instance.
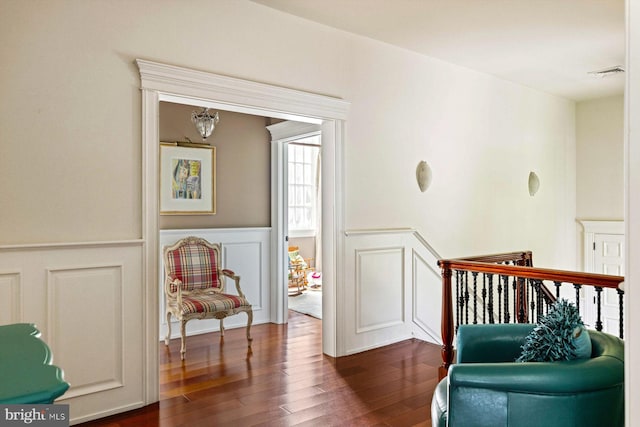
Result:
x=183 y=347
x=249 y=322
x=168 y=337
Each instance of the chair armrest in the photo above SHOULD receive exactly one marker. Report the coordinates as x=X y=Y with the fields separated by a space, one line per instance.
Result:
x=236 y=279
x=491 y=343
x=169 y=281
x=228 y=273
x=539 y=377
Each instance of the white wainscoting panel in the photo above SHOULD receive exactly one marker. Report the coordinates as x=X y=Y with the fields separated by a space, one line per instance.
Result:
x=379 y=288
x=246 y=251
x=10 y=300
x=247 y=257
x=392 y=289
x=86 y=299
x=96 y=295
x=427 y=295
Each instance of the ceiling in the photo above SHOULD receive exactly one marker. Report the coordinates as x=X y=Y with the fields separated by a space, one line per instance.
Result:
x=549 y=45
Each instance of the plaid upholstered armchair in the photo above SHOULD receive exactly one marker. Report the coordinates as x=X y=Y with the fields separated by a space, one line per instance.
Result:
x=194 y=287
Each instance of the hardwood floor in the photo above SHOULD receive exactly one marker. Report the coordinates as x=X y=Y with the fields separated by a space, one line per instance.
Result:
x=286 y=380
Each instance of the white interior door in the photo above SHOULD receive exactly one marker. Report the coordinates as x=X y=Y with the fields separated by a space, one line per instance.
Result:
x=609 y=259
x=604 y=254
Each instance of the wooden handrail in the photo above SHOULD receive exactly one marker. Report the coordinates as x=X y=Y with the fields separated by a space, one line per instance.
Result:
x=602 y=280
x=521 y=258
x=493 y=264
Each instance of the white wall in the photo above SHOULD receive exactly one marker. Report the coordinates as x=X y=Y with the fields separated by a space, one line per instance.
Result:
x=600 y=159
x=480 y=135
x=70 y=136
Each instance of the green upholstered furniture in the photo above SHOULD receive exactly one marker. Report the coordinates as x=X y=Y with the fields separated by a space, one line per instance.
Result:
x=26 y=373
x=486 y=388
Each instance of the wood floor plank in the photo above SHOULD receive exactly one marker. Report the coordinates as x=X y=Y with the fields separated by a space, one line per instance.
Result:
x=285 y=380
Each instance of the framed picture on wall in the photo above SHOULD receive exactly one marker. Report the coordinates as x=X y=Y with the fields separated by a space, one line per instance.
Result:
x=187 y=180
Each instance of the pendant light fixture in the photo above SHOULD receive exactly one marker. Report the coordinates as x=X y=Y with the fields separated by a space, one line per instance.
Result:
x=205 y=123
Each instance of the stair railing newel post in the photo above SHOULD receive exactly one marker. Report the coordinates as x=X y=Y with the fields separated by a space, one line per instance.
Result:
x=447 y=320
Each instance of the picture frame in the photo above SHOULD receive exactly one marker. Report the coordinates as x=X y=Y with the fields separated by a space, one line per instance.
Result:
x=187 y=179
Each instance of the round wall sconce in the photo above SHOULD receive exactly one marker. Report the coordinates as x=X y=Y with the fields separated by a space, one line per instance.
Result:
x=534 y=183
x=423 y=175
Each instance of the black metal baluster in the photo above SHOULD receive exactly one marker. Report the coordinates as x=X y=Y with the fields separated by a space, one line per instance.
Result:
x=490 y=304
x=534 y=300
x=499 y=300
x=621 y=307
x=484 y=297
x=475 y=297
x=466 y=298
x=458 y=275
x=558 y=284
x=599 y=308
x=515 y=300
x=543 y=304
x=532 y=303
x=507 y=315
x=577 y=286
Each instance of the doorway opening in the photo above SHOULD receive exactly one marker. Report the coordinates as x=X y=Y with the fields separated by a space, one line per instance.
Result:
x=304 y=200
x=162 y=82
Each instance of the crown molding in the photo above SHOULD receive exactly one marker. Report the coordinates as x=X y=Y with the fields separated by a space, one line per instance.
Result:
x=233 y=93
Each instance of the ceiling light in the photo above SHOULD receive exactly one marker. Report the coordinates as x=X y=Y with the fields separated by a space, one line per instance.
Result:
x=205 y=122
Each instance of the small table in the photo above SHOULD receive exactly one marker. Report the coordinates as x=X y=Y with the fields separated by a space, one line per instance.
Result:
x=26 y=373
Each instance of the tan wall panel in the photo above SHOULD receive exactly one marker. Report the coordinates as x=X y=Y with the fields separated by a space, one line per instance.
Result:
x=242 y=167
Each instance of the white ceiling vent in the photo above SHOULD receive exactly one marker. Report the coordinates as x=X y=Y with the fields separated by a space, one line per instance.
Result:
x=607 y=71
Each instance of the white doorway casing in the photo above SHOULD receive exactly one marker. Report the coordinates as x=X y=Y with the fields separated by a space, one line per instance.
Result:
x=161 y=82
x=281 y=134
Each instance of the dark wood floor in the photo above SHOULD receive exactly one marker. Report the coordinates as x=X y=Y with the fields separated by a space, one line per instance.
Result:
x=286 y=380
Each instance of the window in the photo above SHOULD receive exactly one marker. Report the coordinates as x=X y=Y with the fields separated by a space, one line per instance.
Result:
x=303 y=168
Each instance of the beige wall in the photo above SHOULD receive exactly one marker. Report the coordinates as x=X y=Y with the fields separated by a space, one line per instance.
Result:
x=307 y=247
x=243 y=171
x=600 y=159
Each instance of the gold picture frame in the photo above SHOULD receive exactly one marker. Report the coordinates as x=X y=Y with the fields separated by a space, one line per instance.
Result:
x=187 y=179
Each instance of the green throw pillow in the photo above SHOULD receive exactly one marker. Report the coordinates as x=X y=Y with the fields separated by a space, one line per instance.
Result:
x=560 y=335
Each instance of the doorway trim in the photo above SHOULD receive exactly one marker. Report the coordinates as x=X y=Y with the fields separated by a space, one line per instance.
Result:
x=281 y=134
x=162 y=82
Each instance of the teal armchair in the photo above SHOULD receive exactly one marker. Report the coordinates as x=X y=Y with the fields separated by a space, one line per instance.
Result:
x=27 y=375
x=487 y=388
